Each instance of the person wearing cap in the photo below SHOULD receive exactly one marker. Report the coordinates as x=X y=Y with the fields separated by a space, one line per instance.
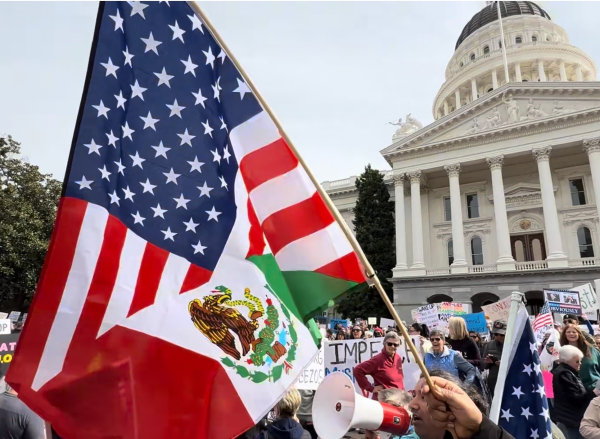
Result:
x=492 y=354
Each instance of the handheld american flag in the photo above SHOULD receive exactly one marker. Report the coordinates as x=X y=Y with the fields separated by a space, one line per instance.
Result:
x=524 y=407
x=189 y=251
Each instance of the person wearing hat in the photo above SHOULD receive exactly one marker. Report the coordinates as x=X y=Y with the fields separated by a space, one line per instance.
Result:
x=492 y=354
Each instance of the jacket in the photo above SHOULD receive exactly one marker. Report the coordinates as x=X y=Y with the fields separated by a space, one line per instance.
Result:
x=570 y=396
x=449 y=361
x=385 y=370
x=590 y=424
x=492 y=348
x=468 y=349
x=285 y=428
x=590 y=369
x=487 y=430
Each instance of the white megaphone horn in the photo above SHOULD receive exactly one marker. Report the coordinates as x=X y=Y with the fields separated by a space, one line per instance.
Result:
x=337 y=408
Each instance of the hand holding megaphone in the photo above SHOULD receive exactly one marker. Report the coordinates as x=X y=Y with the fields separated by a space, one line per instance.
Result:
x=337 y=408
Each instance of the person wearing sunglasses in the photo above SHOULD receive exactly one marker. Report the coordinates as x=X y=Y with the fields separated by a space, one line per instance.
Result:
x=492 y=354
x=357 y=333
x=440 y=357
x=385 y=368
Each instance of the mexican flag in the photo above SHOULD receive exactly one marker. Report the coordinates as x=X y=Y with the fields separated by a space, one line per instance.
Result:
x=190 y=250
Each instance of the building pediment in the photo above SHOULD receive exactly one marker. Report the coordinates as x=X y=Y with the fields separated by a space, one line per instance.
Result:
x=515 y=108
x=522 y=196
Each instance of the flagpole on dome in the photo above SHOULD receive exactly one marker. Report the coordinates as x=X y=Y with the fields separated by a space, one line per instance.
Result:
x=373 y=279
x=503 y=46
x=509 y=342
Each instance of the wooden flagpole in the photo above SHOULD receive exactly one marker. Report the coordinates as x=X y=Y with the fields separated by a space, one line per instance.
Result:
x=347 y=232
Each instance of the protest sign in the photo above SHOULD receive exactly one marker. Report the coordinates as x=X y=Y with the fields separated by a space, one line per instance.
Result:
x=385 y=323
x=345 y=355
x=550 y=352
x=589 y=300
x=476 y=322
x=312 y=375
x=429 y=315
x=8 y=344
x=563 y=301
x=5 y=326
x=14 y=316
x=372 y=321
x=414 y=313
x=498 y=310
x=3 y=315
x=334 y=322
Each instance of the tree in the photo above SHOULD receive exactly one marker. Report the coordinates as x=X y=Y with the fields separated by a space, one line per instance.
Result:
x=28 y=204
x=375 y=231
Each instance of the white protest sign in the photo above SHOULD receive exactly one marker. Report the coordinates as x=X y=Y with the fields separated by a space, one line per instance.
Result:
x=429 y=315
x=589 y=301
x=3 y=315
x=372 y=320
x=345 y=355
x=550 y=352
x=498 y=310
x=312 y=375
x=14 y=316
x=385 y=323
x=5 y=326
x=414 y=313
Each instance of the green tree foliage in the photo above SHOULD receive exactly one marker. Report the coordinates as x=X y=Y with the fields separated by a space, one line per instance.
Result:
x=375 y=232
x=28 y=203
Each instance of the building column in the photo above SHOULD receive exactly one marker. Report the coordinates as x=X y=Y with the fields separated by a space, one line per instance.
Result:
x=518 y=72
x=494 y=79
x=505 y=260
x=541 y=73
x=446 y=108
x=474 y=88
x=556 y=256
x=563 y=71
x=592 y=147
x=457 y=97
x=458 y=238
x=417 y=221
x=578 y=74
x=401 y=260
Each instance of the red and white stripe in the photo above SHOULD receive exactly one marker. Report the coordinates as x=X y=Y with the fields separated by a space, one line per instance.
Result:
x=542 y=320
x=297 y=224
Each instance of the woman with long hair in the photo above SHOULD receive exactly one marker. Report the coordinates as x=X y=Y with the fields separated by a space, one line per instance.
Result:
x=357 y=333
x=462 y=343
x=590 y=364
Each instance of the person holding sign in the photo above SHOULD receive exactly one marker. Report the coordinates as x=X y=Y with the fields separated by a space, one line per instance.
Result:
x=590 y=364
x=439 y=357
x=385 y=368
x=492 y=353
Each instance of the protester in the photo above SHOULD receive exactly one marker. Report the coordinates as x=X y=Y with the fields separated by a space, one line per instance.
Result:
x=575 y=320
x=450 y=408
x=378 y=332
x=357 y=333
x=439 y=357
x=305 y=412
x=492 y=354
x=329 y=334
x=570 y=396
x=590 y=365
x=385 y=368
x=462 y=343
x=287 y=425
x=396 y=398
x=480 y=344
x=421 y=330
x=597 y=341
x=590 y=424
x=341 y=335
x=17 y=420
x=368 y=334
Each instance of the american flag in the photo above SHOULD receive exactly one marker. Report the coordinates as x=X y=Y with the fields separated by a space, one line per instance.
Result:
x=524 y=407
x=544 y=318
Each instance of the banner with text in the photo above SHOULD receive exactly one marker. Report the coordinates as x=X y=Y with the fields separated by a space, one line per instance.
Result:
x=498 y=310
x=345 y=355
x=589 y=300
x=476 y=322
x=8 y=344
x=313 y=374
x=563 y=301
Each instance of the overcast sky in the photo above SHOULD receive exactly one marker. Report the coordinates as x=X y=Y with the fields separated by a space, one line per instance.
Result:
x=333 y=72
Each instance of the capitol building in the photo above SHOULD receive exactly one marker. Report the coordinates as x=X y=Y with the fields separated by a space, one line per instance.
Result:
x=501 y=192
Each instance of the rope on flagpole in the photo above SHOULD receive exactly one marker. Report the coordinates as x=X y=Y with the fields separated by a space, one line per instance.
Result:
x=347 y=232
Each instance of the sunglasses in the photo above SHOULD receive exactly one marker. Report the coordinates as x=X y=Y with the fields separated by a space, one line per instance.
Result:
x=356 y=330
x=393 y=344
x=435 y=339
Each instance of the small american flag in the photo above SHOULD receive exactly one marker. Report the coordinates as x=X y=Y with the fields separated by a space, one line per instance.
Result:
x=544 y=318
x=524 y=407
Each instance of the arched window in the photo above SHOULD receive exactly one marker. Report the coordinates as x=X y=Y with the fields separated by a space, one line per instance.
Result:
x=500 y=44
x=486 y=50
x=438 y=298
x=534 y=39
x=461 y=64
x=584 y=237
x=518 y=40
x=472 y=57
x=450 y=253
x=476 y=251
x=490 y=89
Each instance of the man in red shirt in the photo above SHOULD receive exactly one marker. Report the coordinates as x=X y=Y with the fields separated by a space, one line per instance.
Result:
x=385 y=368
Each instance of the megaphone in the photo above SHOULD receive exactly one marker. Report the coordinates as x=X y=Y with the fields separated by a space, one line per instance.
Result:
x=337 y=408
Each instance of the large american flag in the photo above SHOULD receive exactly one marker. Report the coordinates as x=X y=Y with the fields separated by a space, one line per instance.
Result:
x=524 y=407
x=544 y=318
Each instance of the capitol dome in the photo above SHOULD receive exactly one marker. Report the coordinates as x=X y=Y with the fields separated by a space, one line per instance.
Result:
x=537 y=49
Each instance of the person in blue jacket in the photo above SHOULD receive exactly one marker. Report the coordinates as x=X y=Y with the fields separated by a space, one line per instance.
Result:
x=440 y=357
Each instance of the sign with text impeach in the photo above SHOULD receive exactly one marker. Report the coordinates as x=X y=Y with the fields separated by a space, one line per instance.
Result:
x=563 y=301
x=498 y=310
x=345 y=355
